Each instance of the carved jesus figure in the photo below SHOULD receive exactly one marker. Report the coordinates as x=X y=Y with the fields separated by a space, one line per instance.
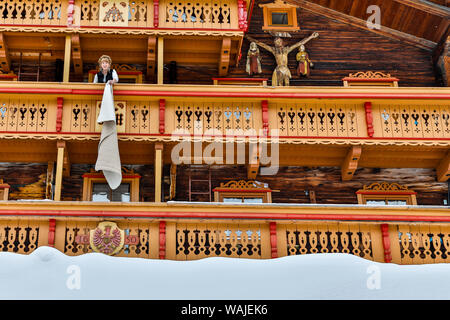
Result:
x=281 y=74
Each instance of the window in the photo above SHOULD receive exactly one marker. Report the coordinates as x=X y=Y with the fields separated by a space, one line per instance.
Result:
x=243 y=192
x=95 y=188
x=279 y=16
x=386 y=194
x=102 y=192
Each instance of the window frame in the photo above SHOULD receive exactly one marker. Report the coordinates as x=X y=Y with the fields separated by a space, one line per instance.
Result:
x=242 y=189
x=97 y=177
x=385 y=191
x=279 y=7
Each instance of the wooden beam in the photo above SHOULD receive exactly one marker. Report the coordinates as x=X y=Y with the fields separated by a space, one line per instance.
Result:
x=443 y=169
x=151 y=57
x=76 y=54
x=60 y=145
x=5 y=61
x=158 y=171
x=350 y=163
x=360 y=23
x=173 y=181
x=253 y=163
x=224 y=61
x=67 y=52
x=160 y=60
x=427 y=7
x=49 y=180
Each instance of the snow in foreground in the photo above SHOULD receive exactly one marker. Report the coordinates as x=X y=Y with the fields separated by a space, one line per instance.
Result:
x=49 y=274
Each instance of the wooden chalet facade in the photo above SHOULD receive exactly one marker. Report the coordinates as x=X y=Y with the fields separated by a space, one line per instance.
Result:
x=360 y=146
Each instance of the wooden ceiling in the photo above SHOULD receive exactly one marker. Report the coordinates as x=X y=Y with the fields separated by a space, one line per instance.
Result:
x=418 y=22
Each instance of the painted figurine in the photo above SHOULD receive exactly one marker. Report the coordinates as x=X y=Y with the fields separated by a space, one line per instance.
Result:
x=253 y=65
x=282 y=74
x=105 y=73
x=304 y=63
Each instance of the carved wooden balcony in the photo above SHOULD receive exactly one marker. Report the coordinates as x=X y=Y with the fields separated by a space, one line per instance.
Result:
x=146 y=14
x=182 y=231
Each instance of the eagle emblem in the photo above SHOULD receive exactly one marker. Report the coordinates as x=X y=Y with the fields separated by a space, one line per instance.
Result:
x=107 y=238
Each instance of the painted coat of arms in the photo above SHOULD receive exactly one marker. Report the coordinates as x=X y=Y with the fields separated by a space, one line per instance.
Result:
x=107 y=238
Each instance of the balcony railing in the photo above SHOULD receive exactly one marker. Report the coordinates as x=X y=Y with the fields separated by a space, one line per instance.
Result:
x=402 y=235
x=160 y=110
x=205 y=14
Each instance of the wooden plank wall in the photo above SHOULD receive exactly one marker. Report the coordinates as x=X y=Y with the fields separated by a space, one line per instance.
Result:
x=342 y=49
x=27 y=181
x=325 y=181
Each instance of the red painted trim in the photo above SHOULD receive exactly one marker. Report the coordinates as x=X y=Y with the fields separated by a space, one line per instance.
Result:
x=386 y=242
x=8 y=76
x=242 y=190
x=369 y=119
x=101 y=27
x=162 y=239
x=156 y=13
x=393 y=193
x=273 y=240
x=4 y=186
x=265 y=116
x=70 y=10
x=221 y=215
x=162 y=116
x=51 y=232
x=305 y=95
x=370 y=80
x=59 y=113
x=250 y=136
x=250 y=14
x=242 y=79
x=242 y=15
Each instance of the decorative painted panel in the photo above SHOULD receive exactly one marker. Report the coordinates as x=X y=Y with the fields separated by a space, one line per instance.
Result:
x=420 y=243
x=34 y=12
x=199 y=14
x=26 y=115
x=317 y=120
x=120 y=108
x=412 y=121
x=196 y=241
x=309 y=238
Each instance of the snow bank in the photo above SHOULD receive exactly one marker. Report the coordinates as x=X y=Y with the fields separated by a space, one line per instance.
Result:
x=49 y=274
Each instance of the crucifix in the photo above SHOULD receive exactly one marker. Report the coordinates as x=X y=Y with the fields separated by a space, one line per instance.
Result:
x=281 y=74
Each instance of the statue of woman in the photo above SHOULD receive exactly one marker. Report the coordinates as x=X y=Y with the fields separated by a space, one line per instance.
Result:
x=253 y=65
x=304 y=63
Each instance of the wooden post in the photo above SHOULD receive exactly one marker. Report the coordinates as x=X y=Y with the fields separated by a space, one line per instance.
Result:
x=273 y=240
x=160 y=60
x=369 y=118
x=158 y=171
x=59 y=169
x=162 y=239
x=67 y=52
x=386 y=242
x=51 y=232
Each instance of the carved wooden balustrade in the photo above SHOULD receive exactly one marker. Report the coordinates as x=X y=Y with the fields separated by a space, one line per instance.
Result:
x=142 y=110
x=34 y=12
x=412 y=235
x=204 y=14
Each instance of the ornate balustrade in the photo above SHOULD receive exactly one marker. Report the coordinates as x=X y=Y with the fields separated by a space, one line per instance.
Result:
x=217 y=110
x=403 y=235
x=205 y=14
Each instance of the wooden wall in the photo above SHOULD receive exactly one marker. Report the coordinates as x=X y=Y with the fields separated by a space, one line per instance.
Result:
x=26 y=180
x=342 y=49
x=325 y=181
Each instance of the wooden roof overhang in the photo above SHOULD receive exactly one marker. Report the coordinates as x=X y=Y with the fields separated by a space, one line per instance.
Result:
x=294 y=150
x=420 y=23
